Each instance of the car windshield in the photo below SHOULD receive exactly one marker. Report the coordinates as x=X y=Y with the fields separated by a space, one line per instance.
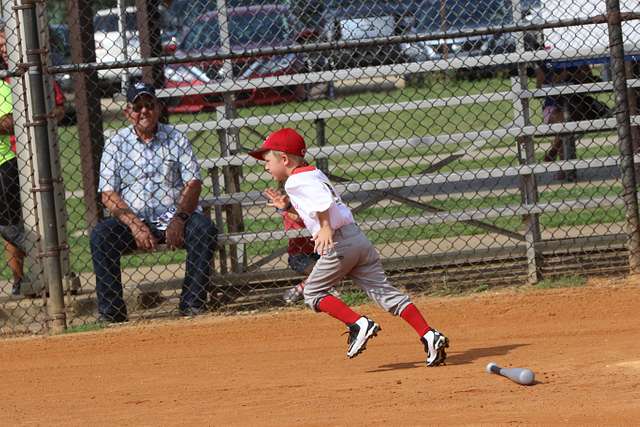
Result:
x=478 y=13
x=190 y=10
x=461 y=14
x=261 y=28
x=367 y=8
x=109 y=23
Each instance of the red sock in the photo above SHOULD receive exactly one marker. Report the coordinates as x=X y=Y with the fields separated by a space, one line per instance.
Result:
x=412 y=316
x=338 y=309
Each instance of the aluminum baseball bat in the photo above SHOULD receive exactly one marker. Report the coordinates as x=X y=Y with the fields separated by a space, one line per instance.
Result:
x=522 y=376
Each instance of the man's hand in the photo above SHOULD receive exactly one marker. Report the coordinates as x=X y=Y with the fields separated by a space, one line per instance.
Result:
x=276 y=198
x=143 y=236
x=323 y=240
x=175 y=233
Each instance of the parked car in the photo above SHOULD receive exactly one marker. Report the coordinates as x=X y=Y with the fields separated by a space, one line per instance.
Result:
x=437 y=16
x=590 y=37
x=350 y=20
x=250 y=27
x=506 y=42
x=110 y=44
x=181 y=13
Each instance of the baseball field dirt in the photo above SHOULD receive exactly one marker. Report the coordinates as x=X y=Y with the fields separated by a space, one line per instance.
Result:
x=289 y=367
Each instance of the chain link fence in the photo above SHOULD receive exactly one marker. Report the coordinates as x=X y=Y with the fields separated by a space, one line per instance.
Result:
x=477 y=142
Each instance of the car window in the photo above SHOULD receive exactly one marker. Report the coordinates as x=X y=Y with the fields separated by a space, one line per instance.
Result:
x=189 y=10
x=463 y=14
x=262 y=29
x=109 y=23
x=427 y=18
x=204 y=34
x=365 y=8
x=478 y=13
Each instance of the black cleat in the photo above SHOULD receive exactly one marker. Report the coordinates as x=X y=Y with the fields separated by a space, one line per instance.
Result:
x=15 y=289
x=434 y=345
x=359 y=333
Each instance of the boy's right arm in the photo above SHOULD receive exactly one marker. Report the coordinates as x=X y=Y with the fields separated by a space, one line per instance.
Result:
x=324 y=238
x=276 y=198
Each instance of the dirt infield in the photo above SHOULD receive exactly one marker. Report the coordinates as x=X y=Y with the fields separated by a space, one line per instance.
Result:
x=289 y=367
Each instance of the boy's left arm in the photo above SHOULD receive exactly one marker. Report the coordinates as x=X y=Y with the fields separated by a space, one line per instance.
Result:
x=324 y=238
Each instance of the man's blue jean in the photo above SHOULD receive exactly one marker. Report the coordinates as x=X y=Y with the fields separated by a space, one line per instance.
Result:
x=110 y=239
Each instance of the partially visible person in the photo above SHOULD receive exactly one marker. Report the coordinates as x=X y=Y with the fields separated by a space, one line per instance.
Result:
x=11 y=224
x=581 y=106
x=150 y=183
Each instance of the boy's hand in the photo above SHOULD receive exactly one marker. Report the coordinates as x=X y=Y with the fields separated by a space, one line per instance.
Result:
x=276 y=198
x=323 y=240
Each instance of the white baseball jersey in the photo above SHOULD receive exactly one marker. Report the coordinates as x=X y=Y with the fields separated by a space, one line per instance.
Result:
x=310 y=192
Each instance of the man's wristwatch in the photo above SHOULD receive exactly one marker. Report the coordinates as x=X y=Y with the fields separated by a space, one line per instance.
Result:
x=183 y=216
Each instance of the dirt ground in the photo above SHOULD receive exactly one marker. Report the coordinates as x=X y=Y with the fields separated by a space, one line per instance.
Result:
x=289 y=367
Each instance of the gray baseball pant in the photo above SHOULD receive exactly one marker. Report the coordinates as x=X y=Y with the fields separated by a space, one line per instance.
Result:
x=354 y=256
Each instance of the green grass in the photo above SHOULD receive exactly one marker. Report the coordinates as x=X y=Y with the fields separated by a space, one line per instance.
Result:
x=353 y=297
x=561 y=282
x=480 y=288
x=85 y=328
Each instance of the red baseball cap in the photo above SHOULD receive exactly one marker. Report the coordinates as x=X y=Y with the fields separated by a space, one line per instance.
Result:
x=286 y=140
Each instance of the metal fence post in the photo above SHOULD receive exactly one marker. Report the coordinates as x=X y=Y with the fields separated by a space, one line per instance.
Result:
x=38 y=120
x=231 y=145
x=71 y=280
x=214 y=172
x=625 y=143
x=148 y=19
x=124 y=43
x=321 y=141
x=88 y=107
x=526 y=150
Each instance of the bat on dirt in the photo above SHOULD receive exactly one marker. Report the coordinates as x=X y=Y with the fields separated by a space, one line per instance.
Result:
x=522 y=376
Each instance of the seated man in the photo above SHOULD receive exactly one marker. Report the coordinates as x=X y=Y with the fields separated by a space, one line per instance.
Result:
x=150 y=182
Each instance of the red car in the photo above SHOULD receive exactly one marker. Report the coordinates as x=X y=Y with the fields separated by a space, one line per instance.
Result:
x=250 y=27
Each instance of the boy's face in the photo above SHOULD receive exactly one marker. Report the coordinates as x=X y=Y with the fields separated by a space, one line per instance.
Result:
x=276 y=164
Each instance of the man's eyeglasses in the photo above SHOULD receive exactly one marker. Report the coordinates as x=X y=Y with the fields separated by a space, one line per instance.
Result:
x=138 y=106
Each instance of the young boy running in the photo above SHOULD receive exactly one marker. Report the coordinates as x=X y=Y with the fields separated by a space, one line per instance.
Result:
x=343 y=248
